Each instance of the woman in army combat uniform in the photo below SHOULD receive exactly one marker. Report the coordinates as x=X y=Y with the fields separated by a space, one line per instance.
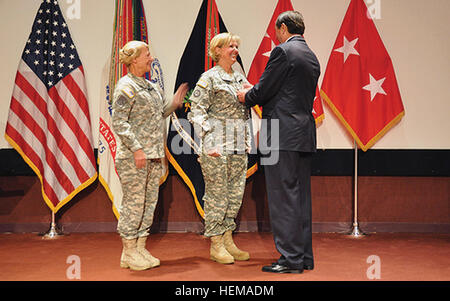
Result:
x=139 y=112
x=222 y=124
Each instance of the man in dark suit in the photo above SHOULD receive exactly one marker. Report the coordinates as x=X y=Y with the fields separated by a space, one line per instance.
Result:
x=286 y=92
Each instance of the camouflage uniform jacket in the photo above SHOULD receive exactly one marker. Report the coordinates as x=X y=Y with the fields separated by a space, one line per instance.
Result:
x=215 y=106
x=139 y=110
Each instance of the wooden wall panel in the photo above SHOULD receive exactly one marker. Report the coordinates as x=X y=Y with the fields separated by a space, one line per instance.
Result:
x=388 y=200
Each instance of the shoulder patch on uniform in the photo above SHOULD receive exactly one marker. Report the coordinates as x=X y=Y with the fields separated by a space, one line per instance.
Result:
x=121 y=100
x=197 y=93
x=128 y=92
x=202 y=84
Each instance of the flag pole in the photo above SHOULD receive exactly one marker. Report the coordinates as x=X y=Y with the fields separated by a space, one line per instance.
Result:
x=356 y=232
x=53 y=232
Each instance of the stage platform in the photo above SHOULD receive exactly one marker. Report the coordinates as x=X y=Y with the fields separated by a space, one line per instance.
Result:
x=185 y=257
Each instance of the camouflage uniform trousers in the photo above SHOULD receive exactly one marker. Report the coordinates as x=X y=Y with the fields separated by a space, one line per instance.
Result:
x=140 y=195
x=224 y=178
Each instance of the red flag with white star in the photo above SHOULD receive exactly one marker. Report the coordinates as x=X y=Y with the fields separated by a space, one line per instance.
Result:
x=359 y=82
x=318 y=108
x=268 y=43
x=261 y=58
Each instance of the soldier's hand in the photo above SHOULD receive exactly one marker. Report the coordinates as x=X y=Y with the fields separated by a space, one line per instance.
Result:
x=140 y=159
x=180 y=95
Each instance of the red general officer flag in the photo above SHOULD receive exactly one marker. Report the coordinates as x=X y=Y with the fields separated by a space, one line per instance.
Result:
x=268 y=43
x=359 y=82
x=317 y=107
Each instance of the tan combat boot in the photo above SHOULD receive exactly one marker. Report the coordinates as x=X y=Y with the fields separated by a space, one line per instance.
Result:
x=131 y=258
x=140 y=246
x=218 y=252
x=232 y=249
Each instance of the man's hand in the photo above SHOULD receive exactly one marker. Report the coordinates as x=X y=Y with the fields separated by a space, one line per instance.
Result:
x=241 y=93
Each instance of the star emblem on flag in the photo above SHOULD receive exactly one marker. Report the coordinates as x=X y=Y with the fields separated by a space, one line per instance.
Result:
x=47 y=49
x=272 y=45
x=348 y=48
x=375 y=87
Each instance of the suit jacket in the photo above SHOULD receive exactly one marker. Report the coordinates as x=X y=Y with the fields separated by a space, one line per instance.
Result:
x=286 y=92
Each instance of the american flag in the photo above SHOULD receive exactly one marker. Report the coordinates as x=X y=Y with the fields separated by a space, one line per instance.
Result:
x=48 y=121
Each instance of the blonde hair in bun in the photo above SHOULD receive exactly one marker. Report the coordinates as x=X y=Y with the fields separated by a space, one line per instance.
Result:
x=130 y=51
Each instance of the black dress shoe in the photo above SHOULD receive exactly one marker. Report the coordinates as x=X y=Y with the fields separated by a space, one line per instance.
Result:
x=307 y=267
x=281 y=269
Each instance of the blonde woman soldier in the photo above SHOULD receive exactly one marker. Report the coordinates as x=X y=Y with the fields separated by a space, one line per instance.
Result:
x=139 y=110
x=221 y=123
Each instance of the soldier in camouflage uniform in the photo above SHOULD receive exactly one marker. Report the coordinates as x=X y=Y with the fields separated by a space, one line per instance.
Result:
x=139 y=112
x=222 y=123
